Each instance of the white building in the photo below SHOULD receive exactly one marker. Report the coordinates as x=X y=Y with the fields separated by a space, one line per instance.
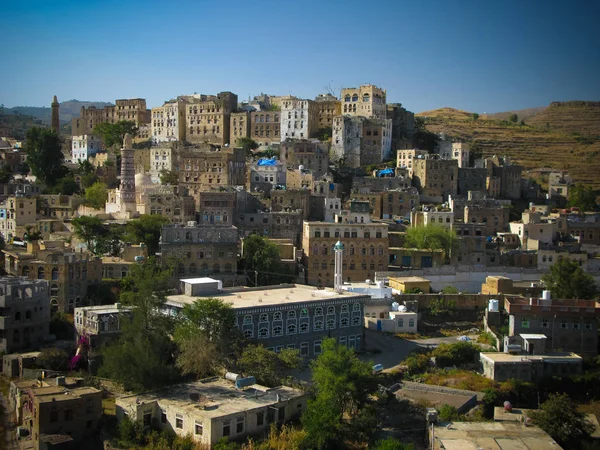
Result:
x=455 y=150
x=360 y=141
x=405 y=158
x=299 y=119
x=85 y=146
x=161 y=158
x=168 y=122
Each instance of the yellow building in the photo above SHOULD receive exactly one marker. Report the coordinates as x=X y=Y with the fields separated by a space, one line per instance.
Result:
x=404 y=284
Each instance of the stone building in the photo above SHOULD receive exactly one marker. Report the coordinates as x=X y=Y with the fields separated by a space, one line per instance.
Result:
x=328 y=106
x=58 y=206
x=265 y=127
x=265 y=175
x=168 y=121
x=403 y=125
x=459 y=151
x=472 y=246
x=495 y=218
x=16 y=213
x=99 y=324
x=366 y=246
x=55 y=118
x=363 y=185
x=508 y=176
x=208 y=117
x=432 y=216
x=291 y=200
x=213 y=409
x=473 y=179
x=25 y=317
x=435 y=177
x=275 y=225
x=365 y=101
x=559 y=184
x=161 y=158
x=169 y=201
x=121 y=203
x=360 y=141
x=202 y=250
x=309 y=154
x=288 y=315
x=127 y=109
x=85 y=146
x=239 y=126
x=405 y=158
x=299 y=119
x=216 y=208
x=71 y=275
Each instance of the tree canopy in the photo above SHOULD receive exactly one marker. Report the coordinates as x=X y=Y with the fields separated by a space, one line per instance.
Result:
x=96 y=195
x=146 y=229
x=268 y=367
x=169 y=177
x=44 y=155
x=431 y=237
x=567 y=279
x=262 y=255
x=112 y=134
x=582 y=197
x=248 y=144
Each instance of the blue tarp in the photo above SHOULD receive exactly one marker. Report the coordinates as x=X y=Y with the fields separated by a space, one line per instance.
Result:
x=381 y=173
x=267 y=162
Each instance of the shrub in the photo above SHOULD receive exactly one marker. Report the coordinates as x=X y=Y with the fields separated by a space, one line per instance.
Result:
x=448 y=412
x=417 y=363
x=455 y=354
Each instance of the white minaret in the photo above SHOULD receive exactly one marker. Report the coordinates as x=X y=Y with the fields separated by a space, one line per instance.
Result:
x=338 y=281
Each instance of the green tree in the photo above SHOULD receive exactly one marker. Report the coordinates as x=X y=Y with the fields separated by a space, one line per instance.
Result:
x=90 y=229
x=560 y=418
x=65 y=185
x=169 y=177
x=449 y=290
x=567 y=279
x=324 y=134
x=475 y=116
x=268 y=367
x=513 y=118
x=417 y=363
x=44 y=155
x=392 y=444
x=431 y=237
x=53 y=358
x=206 y=337
x=112 y=134
x=146 y=229
x=247 y=144
x=582 y=197
x=30 y=235
x=262 y=255
x=6 y=174
x=96 y=195
x=423 y=138
x=455 y=354
x=141 y=357
x=448 y=412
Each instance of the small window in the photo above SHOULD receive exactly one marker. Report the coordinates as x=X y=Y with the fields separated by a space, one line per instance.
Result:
x=163 y=417
x=198 y=428
x=179 y=421
x=226 y=428
x=317 y=347
x=260 y=418
x=239 y=425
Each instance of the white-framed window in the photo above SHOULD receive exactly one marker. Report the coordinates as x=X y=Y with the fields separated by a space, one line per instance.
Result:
x=263 y=333
x=303 y=312
x=331 y=310
x=178 y=421
x=291 y=314
x=545 y=323
x=351 y=342
x=291 y=328
x=318 y=311
x=277 y=315
x=304 y=349
x=563 y=324
x=247 y=320
x=264 y=317
x=344 y=322
x=330 y=324
x=401 y=323
x=304 y=327
x=318 y=326
x=239 y=425
x=355 y=321
x=411 y=323
x=345 y=308
x=198 y=428
x=356 y=307
x=317 y=347
x=277 y=331
x=249 y=334
x=342 y=340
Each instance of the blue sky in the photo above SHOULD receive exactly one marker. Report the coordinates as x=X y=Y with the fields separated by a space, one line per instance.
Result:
x=477 y=55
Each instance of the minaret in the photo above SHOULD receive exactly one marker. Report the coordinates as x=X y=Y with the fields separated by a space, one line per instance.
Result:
x=55 y=117
x=127 y=189
x=338 y=281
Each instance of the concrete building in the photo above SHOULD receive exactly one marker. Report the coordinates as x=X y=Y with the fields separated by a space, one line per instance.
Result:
x=310 y=155
x=403 y=284
x=405 y=158
x=299 y=119
x=69 y=274
x=265 y=127
x=504 y=366
x=533 y=230
x=239 y=126
x=16 y=213
x=25 y=316
x=550 y=254
x=212 y=409
x=286 y=315
x=168 y=121
x=328 y=106
x=125 y=109
x=208 y=117
x=266 y=174
x=432 y=215
x=202 y=250
x=559 y=184
x=100 y=324
x=365 y=101
x=434 y=177
x=61 y=416
x=85 y=146
x=360 y=141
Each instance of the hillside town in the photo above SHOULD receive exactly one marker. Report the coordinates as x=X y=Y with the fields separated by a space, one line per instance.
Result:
x=321 y=273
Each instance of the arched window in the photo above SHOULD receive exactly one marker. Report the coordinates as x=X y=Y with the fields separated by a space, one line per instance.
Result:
x=263 y=333
x=277 y=331
x=331 y=310
x=411 y=323
x=304 y=327
x=345 y=308
x=291 y=314
x=264 y=317
x=291 y=328
x=25 y=271
x=318 y=311
x=27 y=315
x=318 y=326
x=277 y=315
x=344 y=322
x=356 y=307
x=228 y=268
x=17 y=316
x=248 y=320
x=366 y=97
x=192 y=268
x=249 y=334
x=303 y=312
x=355 y=321
x=204 y=268
x=55 y=273
x=355 y=97
x=347 y=98
x=40 y=273
x=330 y=324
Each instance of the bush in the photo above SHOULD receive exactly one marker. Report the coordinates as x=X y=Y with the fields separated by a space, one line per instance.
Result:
x=442 y=307
x=455 y=354
x=417 y=363
x=448 y=413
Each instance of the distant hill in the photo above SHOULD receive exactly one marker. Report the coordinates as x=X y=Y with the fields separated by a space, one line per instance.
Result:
x=14 y=124
x=523 y=114
x=68 y=110
x=564 y=136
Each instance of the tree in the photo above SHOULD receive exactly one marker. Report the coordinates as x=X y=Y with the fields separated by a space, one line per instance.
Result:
x=431 y=237
x=262 y=255
x=448 y=413
x=146 y=229
x=53 y=358
x=112 y=134
x=141 y=357
x=582 y=197
x=343 y=384
x=65 y=185
x=247 y=144
x=449 y=290
x=567 y=279
x=89 y=229
x=268 y=367
x=44 y=155
x=423 y=138
x=475 y=116
x=87 y=172
x=560 y=418
x=513 y=118
x=96 y=195
x=6 y=174
x=392 y=444
x=169 y=177
x=206 y=337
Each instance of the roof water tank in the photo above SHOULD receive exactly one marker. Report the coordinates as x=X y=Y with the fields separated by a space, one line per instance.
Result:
x=546 y=295
x=244 y=382
x=402 y=308
x=377 y=368
x=395 y=306
x=493 y=305
x=232 y=376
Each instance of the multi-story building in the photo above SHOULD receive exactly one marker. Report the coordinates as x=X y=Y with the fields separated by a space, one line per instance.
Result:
x=25 y=307
x=455 y=150
x=216 y=208
x=365 y=101
x=61 y=415
x=168 y=121
x=287 y=315
x=473 y=179
x=202 y=250
x=82 y=147
x=507 y=175
x=432 y=216
x=366 y=246
x=208 y=117
x=403 y=125
x=534 y=229
x=172 y=202
x=299 y=119
x=266 y=174
x=550 y=254
x=435 y=177
x=100 y=324
x=306 y=154
x=57 y=206
x=239 y=126
x=586 y=230
x=471 y=247
x=405 y=158
x=16 y=213
x=328 y=106
x=71 y=275
x=162 y=158
x=213 y=409
x=265 y=126
x=494 y=217
x=375 y=183
x=360 y=141
x=559 y=184
x=133 y=110
x=275 y=225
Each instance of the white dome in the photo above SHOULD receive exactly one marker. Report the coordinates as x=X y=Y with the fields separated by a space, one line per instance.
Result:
x=142 y=180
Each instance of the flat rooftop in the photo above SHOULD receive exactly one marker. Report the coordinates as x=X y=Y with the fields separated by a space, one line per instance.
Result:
x=105 y=309
x=501 y=357
x=270 y=295
x=492 y=436
x=214 y=397
x=410 y=279
x=61 y=393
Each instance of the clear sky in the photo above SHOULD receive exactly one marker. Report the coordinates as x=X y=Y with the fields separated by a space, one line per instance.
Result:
x=477 y=55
